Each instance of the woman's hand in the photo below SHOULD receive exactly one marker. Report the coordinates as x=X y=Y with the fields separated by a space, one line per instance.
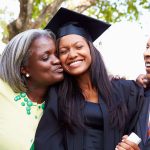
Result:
x=142 y=80
x=126 y=145
x=116 y=77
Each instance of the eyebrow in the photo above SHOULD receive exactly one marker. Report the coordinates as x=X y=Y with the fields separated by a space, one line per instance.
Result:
x=73 y=44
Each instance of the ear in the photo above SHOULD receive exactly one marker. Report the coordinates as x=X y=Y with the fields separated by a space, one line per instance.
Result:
x=24 y=70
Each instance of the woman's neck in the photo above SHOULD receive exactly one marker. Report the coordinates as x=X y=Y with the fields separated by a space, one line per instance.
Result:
x=89 y=92
x=36 y=94
x=84 y=82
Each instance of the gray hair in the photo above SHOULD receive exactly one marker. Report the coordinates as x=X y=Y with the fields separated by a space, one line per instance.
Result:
x=16 y=54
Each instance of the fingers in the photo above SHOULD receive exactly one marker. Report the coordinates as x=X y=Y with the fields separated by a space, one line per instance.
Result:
x=132 y=144
x=120 y=145
x=113 y=77
x=124 y=137
x=127 y=145
x=117 y=77
x=124 y=146
x=142 y=80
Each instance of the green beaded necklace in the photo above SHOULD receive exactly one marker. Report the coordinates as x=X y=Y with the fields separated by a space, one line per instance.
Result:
x=27 y=102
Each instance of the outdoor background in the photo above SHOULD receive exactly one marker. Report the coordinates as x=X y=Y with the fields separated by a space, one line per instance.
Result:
x=121 y=46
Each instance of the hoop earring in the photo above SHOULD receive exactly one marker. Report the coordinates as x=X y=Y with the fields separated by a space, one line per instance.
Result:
x=27 y=75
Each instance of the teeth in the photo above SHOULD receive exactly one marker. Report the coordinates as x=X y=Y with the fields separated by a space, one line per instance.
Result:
x=75 y=63
x=147 y=64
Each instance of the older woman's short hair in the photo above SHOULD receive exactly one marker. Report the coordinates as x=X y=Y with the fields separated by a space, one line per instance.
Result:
x=16 y=54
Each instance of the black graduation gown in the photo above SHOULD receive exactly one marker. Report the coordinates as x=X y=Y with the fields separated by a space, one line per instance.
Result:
x=51 y=136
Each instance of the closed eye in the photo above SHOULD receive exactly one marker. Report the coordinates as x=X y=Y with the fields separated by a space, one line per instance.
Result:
x=45 y=57
x=63 y=51
x=79 y=47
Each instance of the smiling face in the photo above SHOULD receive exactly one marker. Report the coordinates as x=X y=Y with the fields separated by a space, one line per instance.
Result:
x=43 y=66
x=74 y=54
x=147 y=59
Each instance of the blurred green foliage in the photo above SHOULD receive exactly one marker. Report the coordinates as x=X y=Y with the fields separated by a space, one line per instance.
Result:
x=109 y=10
x=117 y=10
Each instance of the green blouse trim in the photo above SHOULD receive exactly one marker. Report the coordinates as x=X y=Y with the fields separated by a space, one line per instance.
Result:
x=32 y=147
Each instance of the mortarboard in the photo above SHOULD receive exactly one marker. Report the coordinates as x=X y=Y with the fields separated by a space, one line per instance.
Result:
x=70 y=22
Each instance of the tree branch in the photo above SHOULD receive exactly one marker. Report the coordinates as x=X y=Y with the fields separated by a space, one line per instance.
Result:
x=29 y=14
x=24 y=21
x=84 y=4
x=49 y=11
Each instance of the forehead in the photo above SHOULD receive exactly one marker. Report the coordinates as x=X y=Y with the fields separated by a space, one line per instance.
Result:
x=72 y=38
x=42 y=44
x=41 y=39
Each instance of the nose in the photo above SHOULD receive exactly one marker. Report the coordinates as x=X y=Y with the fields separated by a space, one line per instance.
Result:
x=72 y=53
x=55 y=60
x=147 y=53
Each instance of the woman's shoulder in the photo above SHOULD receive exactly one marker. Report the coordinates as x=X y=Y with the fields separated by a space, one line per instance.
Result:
x=5 y=90
x=127 y=89
x=122 y=81
x=4 y=85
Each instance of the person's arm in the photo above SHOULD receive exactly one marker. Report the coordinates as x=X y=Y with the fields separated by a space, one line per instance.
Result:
x=49 y=134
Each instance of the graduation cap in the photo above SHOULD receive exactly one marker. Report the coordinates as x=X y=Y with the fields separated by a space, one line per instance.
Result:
x=67 y=22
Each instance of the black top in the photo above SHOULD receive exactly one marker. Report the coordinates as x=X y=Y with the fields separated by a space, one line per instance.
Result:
x=93 y=120
x=93 y=117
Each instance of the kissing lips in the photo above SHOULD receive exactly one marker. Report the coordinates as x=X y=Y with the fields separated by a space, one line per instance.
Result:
x=58 y=69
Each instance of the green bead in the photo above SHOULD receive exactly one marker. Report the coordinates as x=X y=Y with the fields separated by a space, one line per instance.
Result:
x=16 y=98
x=29 y=103
x=19 y=97
x=43 y=106
x=22 y=103
x=28 y=112
x=28 y=108
x=26 y=99
x=23 y=94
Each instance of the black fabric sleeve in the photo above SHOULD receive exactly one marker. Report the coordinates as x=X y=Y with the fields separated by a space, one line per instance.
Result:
x=134 y=104
x=49 y=134
x=130 y=94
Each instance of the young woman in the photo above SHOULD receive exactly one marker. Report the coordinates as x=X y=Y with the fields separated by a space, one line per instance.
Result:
x=28 y=66
x=93 y=113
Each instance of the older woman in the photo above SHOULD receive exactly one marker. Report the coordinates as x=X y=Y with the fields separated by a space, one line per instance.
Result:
x=28 y=66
